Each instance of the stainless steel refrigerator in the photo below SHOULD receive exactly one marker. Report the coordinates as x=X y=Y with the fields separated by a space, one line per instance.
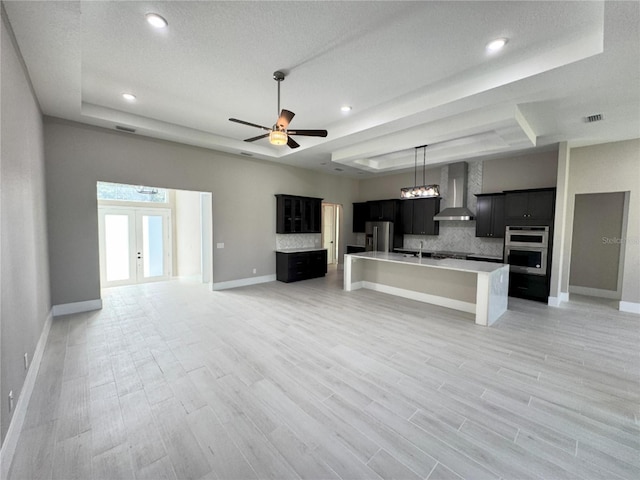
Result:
x=379 y=236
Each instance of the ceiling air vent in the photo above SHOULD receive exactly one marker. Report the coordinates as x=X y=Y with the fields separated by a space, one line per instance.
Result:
x=125 y=129
x=593 y=118
x=339 y=169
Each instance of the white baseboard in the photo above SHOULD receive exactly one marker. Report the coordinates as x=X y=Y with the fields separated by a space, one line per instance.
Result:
x=77 y=307
x=629 y=307
x=594 y=292
x=556 y=301
x=243 y=282
x=422 y=297
x=20 y=412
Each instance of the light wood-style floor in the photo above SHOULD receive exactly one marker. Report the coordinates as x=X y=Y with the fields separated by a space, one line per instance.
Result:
x=304 y=380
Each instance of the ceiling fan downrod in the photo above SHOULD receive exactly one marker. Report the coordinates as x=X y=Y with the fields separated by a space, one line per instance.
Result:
x=278 y=76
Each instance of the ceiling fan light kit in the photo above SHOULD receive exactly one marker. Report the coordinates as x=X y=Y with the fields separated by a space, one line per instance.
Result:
x=276 y=137
x=278 y=134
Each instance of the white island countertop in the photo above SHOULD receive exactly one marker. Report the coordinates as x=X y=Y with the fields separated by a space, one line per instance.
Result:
x=476 y=287
x=472 y=266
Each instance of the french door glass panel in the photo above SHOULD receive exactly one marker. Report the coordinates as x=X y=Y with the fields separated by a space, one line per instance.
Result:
x=135 y=245
x=118 y=264
x=152 y=246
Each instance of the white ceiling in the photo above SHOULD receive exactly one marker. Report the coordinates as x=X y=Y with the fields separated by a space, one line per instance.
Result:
x=415 y=73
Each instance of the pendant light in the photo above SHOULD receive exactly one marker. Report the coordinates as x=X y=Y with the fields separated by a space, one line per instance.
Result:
x=420 y=191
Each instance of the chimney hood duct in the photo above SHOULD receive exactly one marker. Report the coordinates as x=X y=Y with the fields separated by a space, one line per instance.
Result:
x=456 y=201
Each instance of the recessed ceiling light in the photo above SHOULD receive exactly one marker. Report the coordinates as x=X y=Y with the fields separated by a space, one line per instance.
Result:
x=496 y=44
x=345 y=108
x=156 y=20
x=130 y=97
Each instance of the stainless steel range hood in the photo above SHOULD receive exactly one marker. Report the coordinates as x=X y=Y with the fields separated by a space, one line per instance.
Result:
x=456 y=199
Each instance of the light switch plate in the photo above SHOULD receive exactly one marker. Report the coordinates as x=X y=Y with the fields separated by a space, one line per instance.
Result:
x=219 y=245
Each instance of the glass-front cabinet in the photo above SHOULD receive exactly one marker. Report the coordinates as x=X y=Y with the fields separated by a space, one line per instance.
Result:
x=298 y=214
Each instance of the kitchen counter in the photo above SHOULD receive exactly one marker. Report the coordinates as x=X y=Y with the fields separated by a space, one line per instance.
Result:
x=299 y=250
x=470 y=286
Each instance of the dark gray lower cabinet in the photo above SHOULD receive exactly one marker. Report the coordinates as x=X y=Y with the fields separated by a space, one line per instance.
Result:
x=532 y=287
x=291 y=267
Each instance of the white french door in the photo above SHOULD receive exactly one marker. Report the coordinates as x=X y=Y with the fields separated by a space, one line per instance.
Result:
x=135 y=245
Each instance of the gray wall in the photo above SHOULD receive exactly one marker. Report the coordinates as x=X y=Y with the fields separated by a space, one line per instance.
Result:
x=188 y=234
x=536 y=170
x=388 y=186
x=24 y=274
x=597 y=229
x=244 y=206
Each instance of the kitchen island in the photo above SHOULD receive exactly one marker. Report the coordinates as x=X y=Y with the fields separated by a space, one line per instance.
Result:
x=470 y=286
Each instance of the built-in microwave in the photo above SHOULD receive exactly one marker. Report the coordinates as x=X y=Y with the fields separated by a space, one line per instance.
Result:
x=525 y=249
x=531 y=260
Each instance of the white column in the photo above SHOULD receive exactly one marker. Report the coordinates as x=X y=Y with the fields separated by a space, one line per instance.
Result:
x=559 y=289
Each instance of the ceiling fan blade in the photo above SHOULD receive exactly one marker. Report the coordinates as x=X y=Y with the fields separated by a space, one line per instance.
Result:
x=253 y=139
x=308 y=133
x=248 y=123
x=285 y=118
x=292 y=143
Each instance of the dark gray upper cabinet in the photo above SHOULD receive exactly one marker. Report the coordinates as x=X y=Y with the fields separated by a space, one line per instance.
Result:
x=417 y=216
x=360 y=216
x=530 y=207
x=384 y=210
x=490 y=215
x=296 y=214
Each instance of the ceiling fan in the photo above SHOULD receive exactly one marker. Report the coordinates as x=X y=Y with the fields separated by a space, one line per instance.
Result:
x=278 y=134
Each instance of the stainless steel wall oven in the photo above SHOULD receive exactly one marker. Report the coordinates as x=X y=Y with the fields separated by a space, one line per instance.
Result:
x=526 y=248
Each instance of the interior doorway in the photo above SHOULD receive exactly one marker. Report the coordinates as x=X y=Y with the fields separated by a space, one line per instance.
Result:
x=135 y=245
x=331 y=231
x=149 y=234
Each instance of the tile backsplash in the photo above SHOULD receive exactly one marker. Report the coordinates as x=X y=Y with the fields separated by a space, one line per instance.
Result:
x=298 y=240
x=456 y=237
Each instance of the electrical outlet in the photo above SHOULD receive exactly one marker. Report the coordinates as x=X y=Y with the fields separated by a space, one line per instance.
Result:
x=10 y=400
x=255 y=271
x=26 y=361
